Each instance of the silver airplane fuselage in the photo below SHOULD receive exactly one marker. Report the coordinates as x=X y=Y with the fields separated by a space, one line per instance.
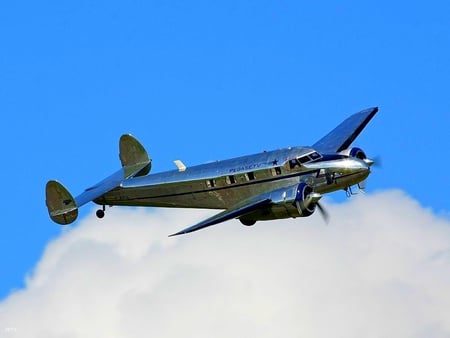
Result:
x=222 y=184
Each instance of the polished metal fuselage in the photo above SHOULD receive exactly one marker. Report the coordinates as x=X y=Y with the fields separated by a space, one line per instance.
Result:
x=224 y=184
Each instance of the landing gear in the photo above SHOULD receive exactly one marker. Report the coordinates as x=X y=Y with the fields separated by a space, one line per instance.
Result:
x=100 y=212
x=349 y=192
x=361 y=186
x=247 y=222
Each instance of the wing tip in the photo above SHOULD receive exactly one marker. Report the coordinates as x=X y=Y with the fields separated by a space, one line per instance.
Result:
x=373 y=110
x=178 y=233
x=346 y=132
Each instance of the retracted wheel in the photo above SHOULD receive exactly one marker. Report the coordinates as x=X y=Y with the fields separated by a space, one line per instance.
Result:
x=247 y=222
x=100 y=213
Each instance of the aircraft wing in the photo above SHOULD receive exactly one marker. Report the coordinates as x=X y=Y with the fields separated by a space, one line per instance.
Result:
x=233 y=212
x=344 y=134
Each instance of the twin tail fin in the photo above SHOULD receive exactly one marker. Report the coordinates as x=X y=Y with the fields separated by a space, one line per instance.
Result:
x=63 y=207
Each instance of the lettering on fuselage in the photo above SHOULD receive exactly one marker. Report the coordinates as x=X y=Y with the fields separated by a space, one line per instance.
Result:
x=246 y=168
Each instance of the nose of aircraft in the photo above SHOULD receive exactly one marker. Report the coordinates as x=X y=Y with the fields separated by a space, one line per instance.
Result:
x=354 y=167
x=361 y=165
x=355 y=164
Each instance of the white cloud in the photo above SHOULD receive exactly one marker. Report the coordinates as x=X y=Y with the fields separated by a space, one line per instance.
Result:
x=381 y=268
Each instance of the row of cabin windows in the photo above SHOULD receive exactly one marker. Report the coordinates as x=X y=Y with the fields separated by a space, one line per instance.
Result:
x=250 y=176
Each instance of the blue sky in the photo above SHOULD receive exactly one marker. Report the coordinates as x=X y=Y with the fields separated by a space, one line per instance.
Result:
x=204 y=80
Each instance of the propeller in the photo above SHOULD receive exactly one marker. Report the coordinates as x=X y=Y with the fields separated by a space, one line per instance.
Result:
x=374 y=162
x=371 y=162
x=377 y=162
x=310 y=201
x=323 y=212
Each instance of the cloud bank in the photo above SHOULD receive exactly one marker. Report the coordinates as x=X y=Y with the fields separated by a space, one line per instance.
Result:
x=381 y=268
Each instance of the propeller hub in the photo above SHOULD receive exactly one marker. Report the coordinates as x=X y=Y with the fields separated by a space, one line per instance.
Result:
x=369 y=161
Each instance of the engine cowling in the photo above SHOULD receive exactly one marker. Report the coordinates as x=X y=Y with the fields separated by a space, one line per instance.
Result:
x=355 y=153
x=289 y=202
x=295 y=201
x=304 y=200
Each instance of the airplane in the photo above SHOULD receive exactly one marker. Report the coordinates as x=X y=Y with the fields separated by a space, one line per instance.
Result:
x=278 y=184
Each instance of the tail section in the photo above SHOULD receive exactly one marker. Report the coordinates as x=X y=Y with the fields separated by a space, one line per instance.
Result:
x=61 y=205
x=134 y=157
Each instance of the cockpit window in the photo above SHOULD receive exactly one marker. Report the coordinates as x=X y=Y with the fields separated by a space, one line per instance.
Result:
x=294 y=163
x=304 y=159
x=297 y=162
x=314 y=156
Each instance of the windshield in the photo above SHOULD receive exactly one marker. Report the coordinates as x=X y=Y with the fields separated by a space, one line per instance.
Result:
x=297 y=162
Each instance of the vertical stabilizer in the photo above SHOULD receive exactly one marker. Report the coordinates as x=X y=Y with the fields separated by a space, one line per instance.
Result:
x=62 y=207
x=134 y=157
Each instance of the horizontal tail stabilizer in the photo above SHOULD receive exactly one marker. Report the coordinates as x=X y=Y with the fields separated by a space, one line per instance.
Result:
x=62 y=207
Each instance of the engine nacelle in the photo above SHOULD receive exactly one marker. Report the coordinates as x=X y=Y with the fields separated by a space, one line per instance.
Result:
x=295 y=201
x=354 y=152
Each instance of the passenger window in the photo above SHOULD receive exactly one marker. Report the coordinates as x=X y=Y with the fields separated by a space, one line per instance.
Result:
x=250 y=176
x=276 y=171
x=211 y=183
x=231 y=179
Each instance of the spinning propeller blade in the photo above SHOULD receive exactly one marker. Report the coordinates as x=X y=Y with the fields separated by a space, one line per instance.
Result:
x=377 y=162
x=323 y=212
